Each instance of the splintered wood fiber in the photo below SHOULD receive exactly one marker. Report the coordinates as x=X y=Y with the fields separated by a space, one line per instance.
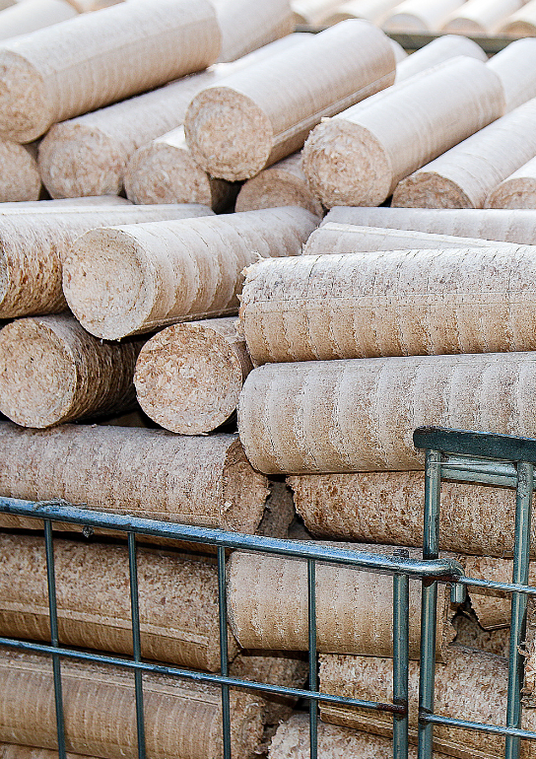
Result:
x=436 y=52
x=522 y=23
x=33 y=245
x=374 y=11
x=100 y=711
x=53 y=371
x=386 y=507
x=481 y=17
x=359 y=415
x=472 y=685
x=98 y=58
x=313 y=12
x=283 y=184
x=472 y=635
x=358 y=157
x=126 y=280
x=292 y=742
x=512 y=226
x=265 y=113
x=529 y=684
x=246 y=25
x=178 y=600
x=154 y=474
x=189 y=376
x=19 y=179
x=516 y=191
x=391 y=303
x=164 y=171
x=27 y=16
x=267 y=598
x=420 y=15
x=465 y=175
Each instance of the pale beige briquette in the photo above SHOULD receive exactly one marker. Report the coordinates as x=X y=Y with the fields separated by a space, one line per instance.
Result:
x=472 y=683
x=292 y=742
x=20 y=179
x=7 y=4
x=312 y=12
x=62 y=204
x=267 y=597
x=391 y=303
x=386 y=507
x=518 y=226
x=189 y=376
x=164 y=171
x=27 y=16
x=516 y=191
x=100 y=711
x=178 y=600
x=464 y=175
x=420 y=15
x=97 y=58
x=359 y=156
x=153 y=474
x=126 y=280
x=359 y=415
x=88 y=6
x=13 y=751
x=34 y=244
x=246 y=25
x=265 y=113
x=283 y=184
x=374 y=11
x=481 y=17
x=439 y=50
x=400 y=53
x=515 y=66
x=53 y=371
x=522 y=23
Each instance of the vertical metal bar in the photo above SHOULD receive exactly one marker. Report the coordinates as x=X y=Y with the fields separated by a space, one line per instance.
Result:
x=224 y=654
x=400 y=663
x=432 y=491
x=54 y=638
x=525 y=484
x=313 y=671
x=136 y=641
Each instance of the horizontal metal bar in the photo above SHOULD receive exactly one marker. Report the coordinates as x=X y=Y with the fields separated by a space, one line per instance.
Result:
x=478 y=444
x=446 y=570
x=497 y=481
x=201 y=677
x=507 y=587
x=481 y=727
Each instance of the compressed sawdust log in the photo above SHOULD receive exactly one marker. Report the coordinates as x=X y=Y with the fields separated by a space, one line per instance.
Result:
x=126 y=280
x=62 y=204
x=359 y=415
x=100 y=711
x=100 y=58
x=522 y=23
x=313 y=12
x=189 y=376
x=332 y=238
x=27 y=16
x=237 y=129
x=20 y=179
x=515 y=66
x=246 y=25
x=420 y=15
x=354 y=507
x=470 y=634
x=400 y=53
x=34 y=245
x=390 y=303
x=267 y=598
x=283 y=184
x=53 y=371
x=358 y=157
x=481 y=17
x=472 y=683
x=12 y=751
x=374 y=11
x=88 y=6
x=439 y=50
x=147 y=473
x=178 y=600
x=516 y=191
x=6 y=4
x=465 y=175
x=504 y=226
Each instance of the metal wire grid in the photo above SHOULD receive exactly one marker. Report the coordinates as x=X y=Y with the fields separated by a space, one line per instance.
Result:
x=400 y=567
x=501 y=461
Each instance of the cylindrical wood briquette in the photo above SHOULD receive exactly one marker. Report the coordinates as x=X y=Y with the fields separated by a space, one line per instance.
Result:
x=247 y=25
x=374 y=11
x=439 y=50
x=20 y=179
x=516 y=191
x=420 y=15
x=25 y=17
x=481 y=17
x=522 y=23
